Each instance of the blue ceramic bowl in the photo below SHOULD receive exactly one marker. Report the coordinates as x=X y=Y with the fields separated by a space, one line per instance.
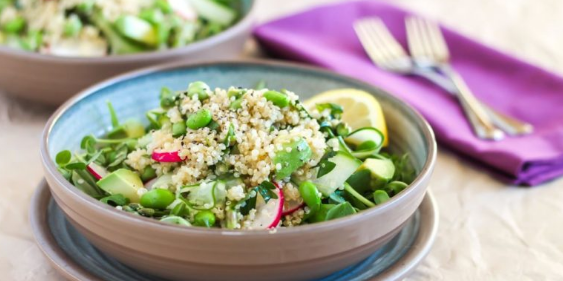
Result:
x=195 y=253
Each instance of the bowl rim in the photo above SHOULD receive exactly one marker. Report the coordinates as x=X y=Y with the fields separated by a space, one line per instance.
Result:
x=239 y=26
x=51 y=168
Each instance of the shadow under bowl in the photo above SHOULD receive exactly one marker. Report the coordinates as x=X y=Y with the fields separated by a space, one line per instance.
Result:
x=180 y=253
x=52 y=79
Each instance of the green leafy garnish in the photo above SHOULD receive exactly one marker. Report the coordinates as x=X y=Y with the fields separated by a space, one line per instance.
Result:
x=115 y=200
x=335 y=109
x=267 y=190
x=340 y=210
x=63 y=157
x=325 y=166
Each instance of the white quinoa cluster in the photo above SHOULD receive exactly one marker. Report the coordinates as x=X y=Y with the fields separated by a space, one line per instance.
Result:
x=260 y=130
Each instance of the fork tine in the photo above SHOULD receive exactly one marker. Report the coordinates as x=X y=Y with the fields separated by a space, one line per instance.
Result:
x=417 y=46
x=370 y=34
x=371 y=45
x=437 y=39
x=412 y=40
x=378 y=41
x=385 y=35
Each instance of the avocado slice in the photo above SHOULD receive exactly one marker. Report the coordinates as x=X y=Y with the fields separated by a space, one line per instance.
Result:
x=124 y=182
x=294 y=154
x=382 y=171
x=137 y=29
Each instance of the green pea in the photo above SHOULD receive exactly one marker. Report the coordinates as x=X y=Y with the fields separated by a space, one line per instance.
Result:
x=342 y=130
x=199 y=120
x=148 y=173
x=175 y=220
x=380 y=196
x=204 y=218
x=397 y=186
x=178 y=129
x=72 y=26
x=200 y=89
x=277 y=98
x=157 y=198
x=310 y=195
x=15 y=25
x=236 y=104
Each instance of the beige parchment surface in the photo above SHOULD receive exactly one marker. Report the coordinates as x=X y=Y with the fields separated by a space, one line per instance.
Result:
x=488 y=230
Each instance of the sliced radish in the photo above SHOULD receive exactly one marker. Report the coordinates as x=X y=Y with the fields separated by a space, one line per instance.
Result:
x=166 y=156
x=96 y=170
x=291 y=206
x=163 y=181
x=268 y=215
x=183 y=8
x=150 y=183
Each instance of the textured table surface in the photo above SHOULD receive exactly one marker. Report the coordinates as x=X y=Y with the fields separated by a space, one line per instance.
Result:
x=488 y=230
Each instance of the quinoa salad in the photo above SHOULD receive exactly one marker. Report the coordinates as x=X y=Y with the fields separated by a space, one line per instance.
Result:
x=93 y=28
x=237 y=158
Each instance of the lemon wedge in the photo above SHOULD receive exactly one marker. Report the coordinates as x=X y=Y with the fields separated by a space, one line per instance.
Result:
x=361 y=109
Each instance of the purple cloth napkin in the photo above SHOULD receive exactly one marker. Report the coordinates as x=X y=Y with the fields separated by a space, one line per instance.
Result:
x=324 y=37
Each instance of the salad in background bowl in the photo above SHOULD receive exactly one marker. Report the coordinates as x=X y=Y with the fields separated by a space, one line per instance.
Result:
x=52 y=49
x=92 y=28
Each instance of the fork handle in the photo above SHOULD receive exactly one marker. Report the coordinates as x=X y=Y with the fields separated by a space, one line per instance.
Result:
x=471 y=106
x=508 y=124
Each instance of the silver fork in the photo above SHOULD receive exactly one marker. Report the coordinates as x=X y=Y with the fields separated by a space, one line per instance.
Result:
x=429 y=49
x=388 y=54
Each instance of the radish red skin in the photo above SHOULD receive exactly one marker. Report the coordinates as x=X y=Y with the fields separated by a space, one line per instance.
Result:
x=168 y=157
x=278 y=211
x=96 y=171
x=292 y=209
x=280 y=208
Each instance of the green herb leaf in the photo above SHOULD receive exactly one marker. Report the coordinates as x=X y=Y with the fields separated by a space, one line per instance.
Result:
x=86 y=182
x=181 y=209
x=266 y=190
x=230 y=137
x=324 y=165
x=249 y=203
x=340 y=210
x=335 y=109
x=167 y=97
x=357 y=195
x=113 y=115
x=380 y=196
x=63 y=157
x=75 y=166
x=336 y=197
x=115 y=200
